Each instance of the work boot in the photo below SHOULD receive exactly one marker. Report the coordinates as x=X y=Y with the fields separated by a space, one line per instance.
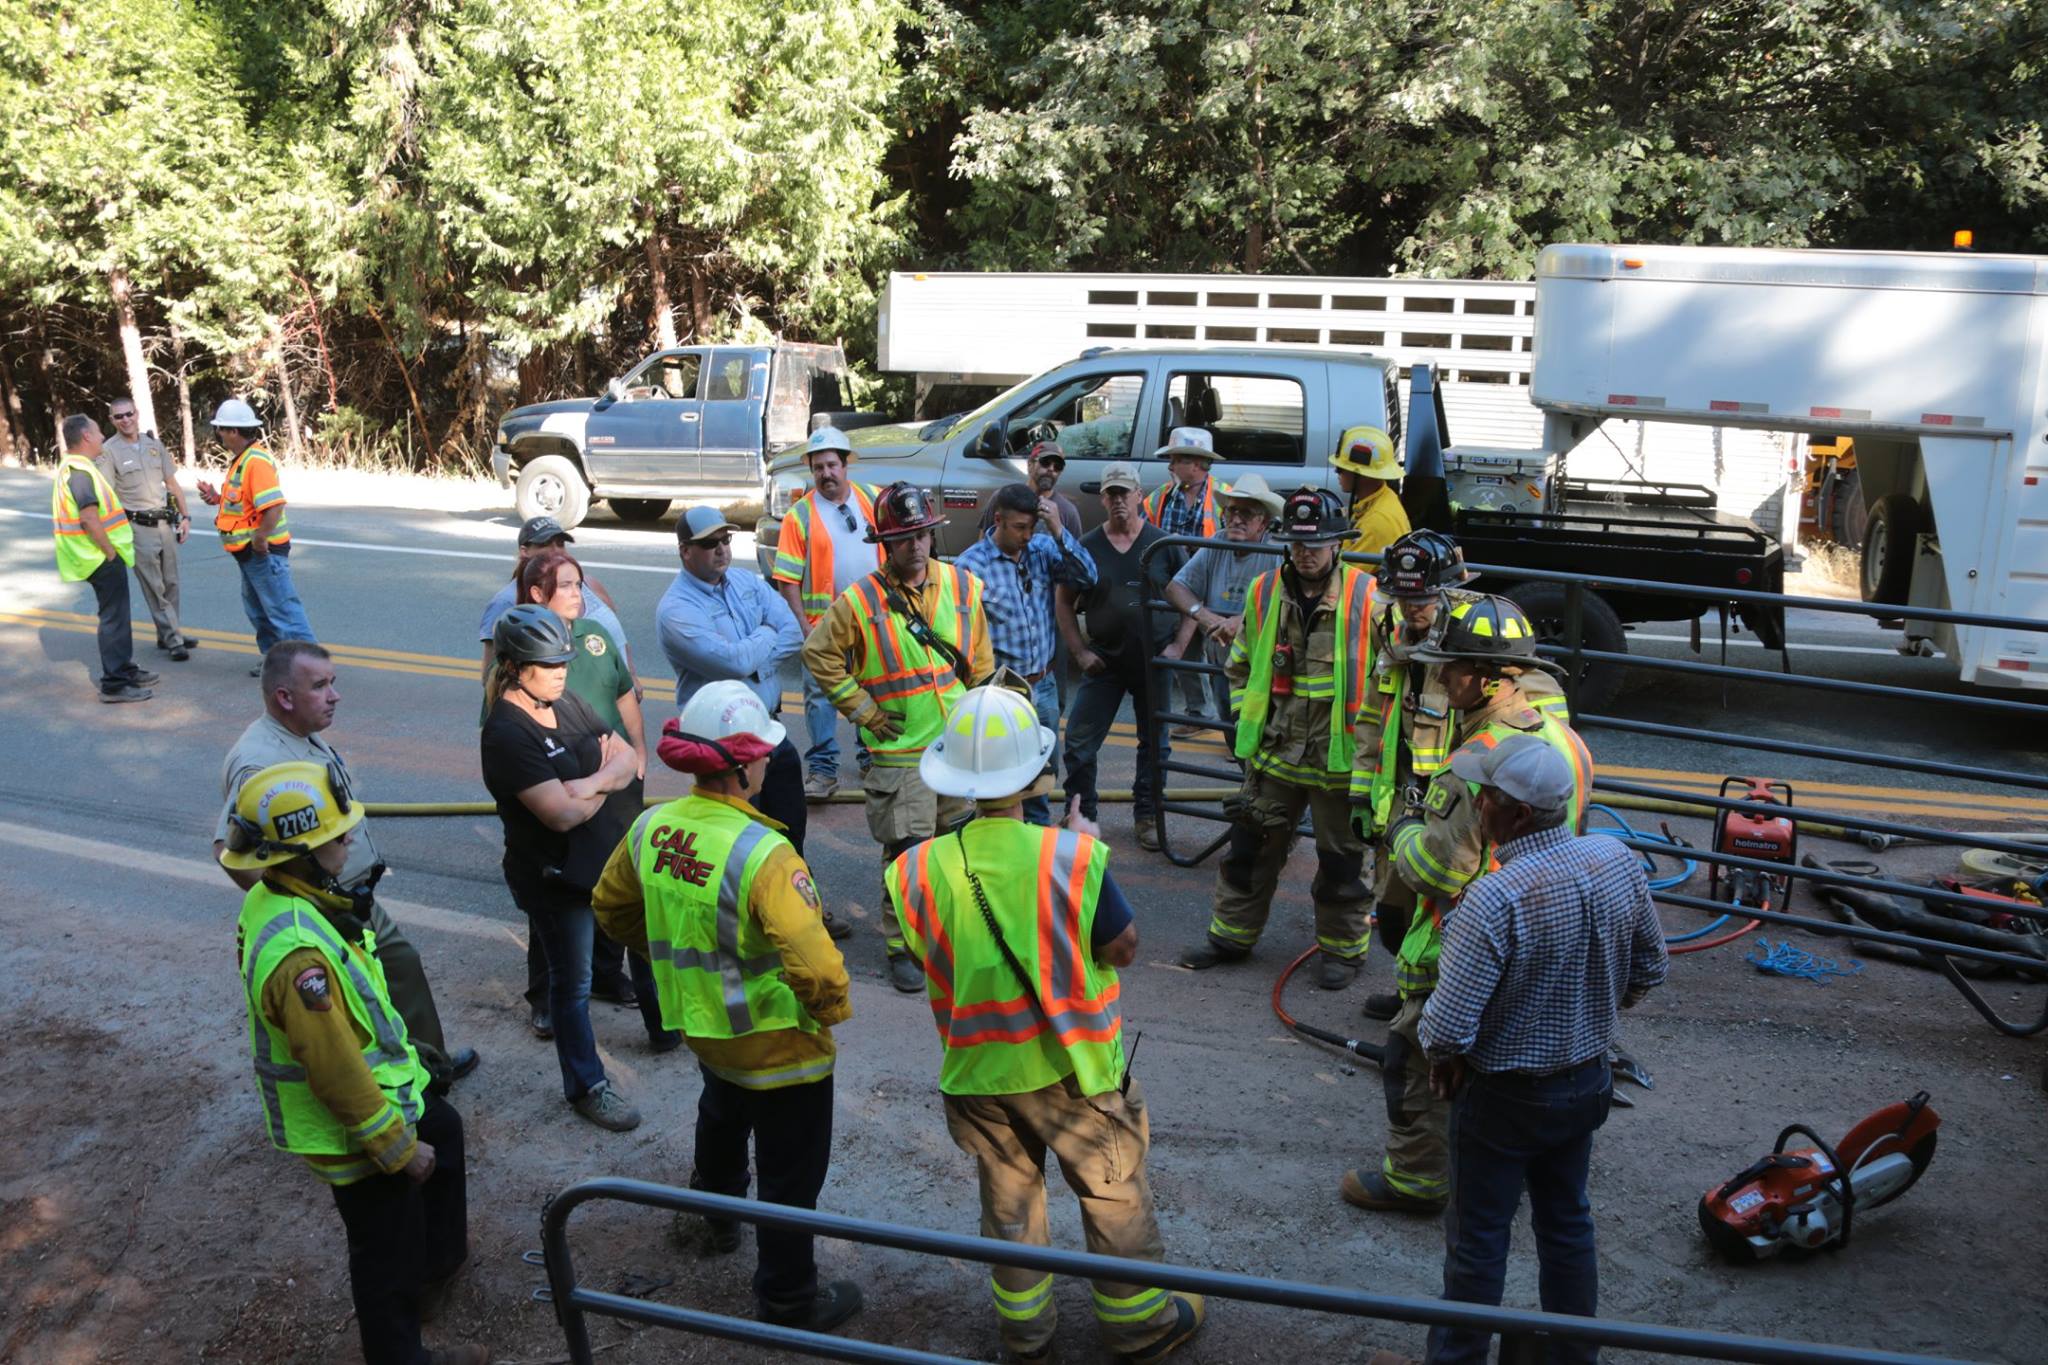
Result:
x=1209 y=953
x=460 y=1063
x=1381 y=1007
x=705 y=1236
x=820 y=786
x=833 y=1304
x=619 y=992
x=1368 y=1189
x=126 y=693
x=541 y=1022
x=668 y=1040
x=838 y=928
x=1148 y=834
x=141 y=677
x=468 y=1353
x=904 y=973
x=607 y=1108
x=1334 y=973
x=180 y=652
x=1191 y=1310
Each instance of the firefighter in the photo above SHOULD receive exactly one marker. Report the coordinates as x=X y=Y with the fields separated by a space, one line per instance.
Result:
x=1421 y=575
x=341 y=1084
x=1366 y=465
x=1435 y=847
x=1297 y=673
x=895 y=653
x=723 y=907
x=1021 y=931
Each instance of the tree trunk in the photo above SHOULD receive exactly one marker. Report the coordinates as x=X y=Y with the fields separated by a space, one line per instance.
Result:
x=284 y=386
x=10 y=417
x=700 y=305
x=326 y=360
x=131 y=349
x=663 y=320
x=184 y=396
x=46 y=375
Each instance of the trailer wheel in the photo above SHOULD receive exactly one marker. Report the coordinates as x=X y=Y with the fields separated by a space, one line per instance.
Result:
x=639 y=509
x=1599 y=628
x=1888 y=541
x=552 y=486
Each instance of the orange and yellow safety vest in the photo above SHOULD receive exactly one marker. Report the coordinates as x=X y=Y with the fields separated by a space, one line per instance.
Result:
x=916 y=684
x=806 y=560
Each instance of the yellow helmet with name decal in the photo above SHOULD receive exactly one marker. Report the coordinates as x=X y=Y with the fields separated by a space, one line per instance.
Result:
x=286 y=811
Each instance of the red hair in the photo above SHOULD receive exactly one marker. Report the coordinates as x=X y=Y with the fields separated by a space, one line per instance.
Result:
x=544 y=571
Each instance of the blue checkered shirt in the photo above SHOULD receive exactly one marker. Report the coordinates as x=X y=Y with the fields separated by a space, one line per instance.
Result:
x=1016 y=594
x=1538 y=956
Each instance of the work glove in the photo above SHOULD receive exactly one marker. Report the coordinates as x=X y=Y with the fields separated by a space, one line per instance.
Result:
x=882 y=724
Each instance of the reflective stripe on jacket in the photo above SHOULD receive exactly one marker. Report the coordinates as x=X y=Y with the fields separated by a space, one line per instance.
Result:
x=77 y=556
x=273 y=926
x=242 y=512
x=1344 y=687
x=716 y=972
x=916 y=685
x=1041 y=886
x=806 y=560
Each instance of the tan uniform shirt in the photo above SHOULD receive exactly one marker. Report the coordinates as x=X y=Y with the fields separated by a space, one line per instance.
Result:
x=266 y=742
x=140 y=470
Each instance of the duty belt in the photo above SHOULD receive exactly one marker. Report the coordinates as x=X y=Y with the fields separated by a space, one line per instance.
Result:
x=157 y=517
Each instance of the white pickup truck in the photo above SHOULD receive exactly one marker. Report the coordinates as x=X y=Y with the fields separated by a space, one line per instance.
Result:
x=1935 y=363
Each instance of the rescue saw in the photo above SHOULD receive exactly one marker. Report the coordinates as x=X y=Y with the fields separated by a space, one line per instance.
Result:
x=1807 y=1198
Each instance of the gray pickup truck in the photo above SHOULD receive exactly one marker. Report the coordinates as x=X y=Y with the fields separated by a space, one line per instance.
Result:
x=689 y=424
x=1274 y=412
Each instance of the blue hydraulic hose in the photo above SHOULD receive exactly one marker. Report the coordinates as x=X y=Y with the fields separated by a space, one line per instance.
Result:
x=1687 y=866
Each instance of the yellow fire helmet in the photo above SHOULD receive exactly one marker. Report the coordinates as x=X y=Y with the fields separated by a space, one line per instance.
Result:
x=286 y=811
x=1368 y=451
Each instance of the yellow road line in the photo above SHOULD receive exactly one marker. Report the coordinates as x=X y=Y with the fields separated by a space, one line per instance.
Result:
x=1852 y=797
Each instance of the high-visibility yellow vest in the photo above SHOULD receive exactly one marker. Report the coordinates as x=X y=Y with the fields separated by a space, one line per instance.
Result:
x=1415 y=966
x=241 y=512
x=1041 y=886
x=806 y=558
x=77 y=556
x=272 y=927
x=716 y=972
x=916 y=685
x=1344 y=686
x=1155 y=505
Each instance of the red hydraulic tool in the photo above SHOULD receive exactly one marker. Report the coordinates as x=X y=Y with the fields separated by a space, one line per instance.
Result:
x=1809 y=1197
x=1754 y=834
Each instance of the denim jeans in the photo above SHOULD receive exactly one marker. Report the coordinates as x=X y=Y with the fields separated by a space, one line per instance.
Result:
x=1045 y=695
x=821 y=723
x=1510 y=1133
x=566 y=937
x=270 y=601
x=1095 y=706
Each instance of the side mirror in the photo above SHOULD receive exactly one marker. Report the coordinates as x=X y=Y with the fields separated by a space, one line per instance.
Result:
x=614 y=390
x=989 y=445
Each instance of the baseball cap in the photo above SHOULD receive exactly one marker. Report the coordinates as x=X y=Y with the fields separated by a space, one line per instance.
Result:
x=1122 y=474
x=702 y=521
x=1524 y=767
x=542 y=531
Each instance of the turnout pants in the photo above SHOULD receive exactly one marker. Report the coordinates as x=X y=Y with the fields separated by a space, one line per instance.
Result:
x=403 y=1238
x=1261 y=838
x=791 y=1127
x=904 y=812
x=156 y=569
x=1417 y=1160
x=1100 y=1141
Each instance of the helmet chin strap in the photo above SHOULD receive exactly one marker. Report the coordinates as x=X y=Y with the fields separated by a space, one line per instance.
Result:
x=543 y=703
x=328 y=893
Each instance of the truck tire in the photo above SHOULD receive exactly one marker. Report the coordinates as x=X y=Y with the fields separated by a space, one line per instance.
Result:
x=1896 y=522
x=1599 y=628
x=1847 y=516
x=552 y=486
x=639 y=509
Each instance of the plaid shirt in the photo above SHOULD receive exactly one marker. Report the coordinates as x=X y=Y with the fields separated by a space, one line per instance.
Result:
x=1180 y=511
x=1016 y=594
x=1538 y=957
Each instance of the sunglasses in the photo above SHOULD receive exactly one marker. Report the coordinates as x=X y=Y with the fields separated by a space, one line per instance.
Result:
x=716 y=542
x=1235 y=513
x=846 y=514
x=123 y=416
x=1051 y=462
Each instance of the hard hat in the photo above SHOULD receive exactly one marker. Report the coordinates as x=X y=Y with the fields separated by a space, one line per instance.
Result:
x=288 y=810
x=1368 y=451
x=720 y=710
x=233 y=412
x=828 y=438
x=991 y=745
x=530 y=633
x=1422 y=564
x=1312 y=516
x=902 y=509
x=1485 y=629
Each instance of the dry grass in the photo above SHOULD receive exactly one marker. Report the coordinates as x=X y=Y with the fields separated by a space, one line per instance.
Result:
x=1834 y=563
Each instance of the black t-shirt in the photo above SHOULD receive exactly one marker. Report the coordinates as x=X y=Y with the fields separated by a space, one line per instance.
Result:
x=1122 y=581
x=546 y=869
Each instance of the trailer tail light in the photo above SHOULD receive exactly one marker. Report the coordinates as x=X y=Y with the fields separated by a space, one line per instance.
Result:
x=1633 y=400
x=1631 y=263
x=1965 y=240
x=1742 y=577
